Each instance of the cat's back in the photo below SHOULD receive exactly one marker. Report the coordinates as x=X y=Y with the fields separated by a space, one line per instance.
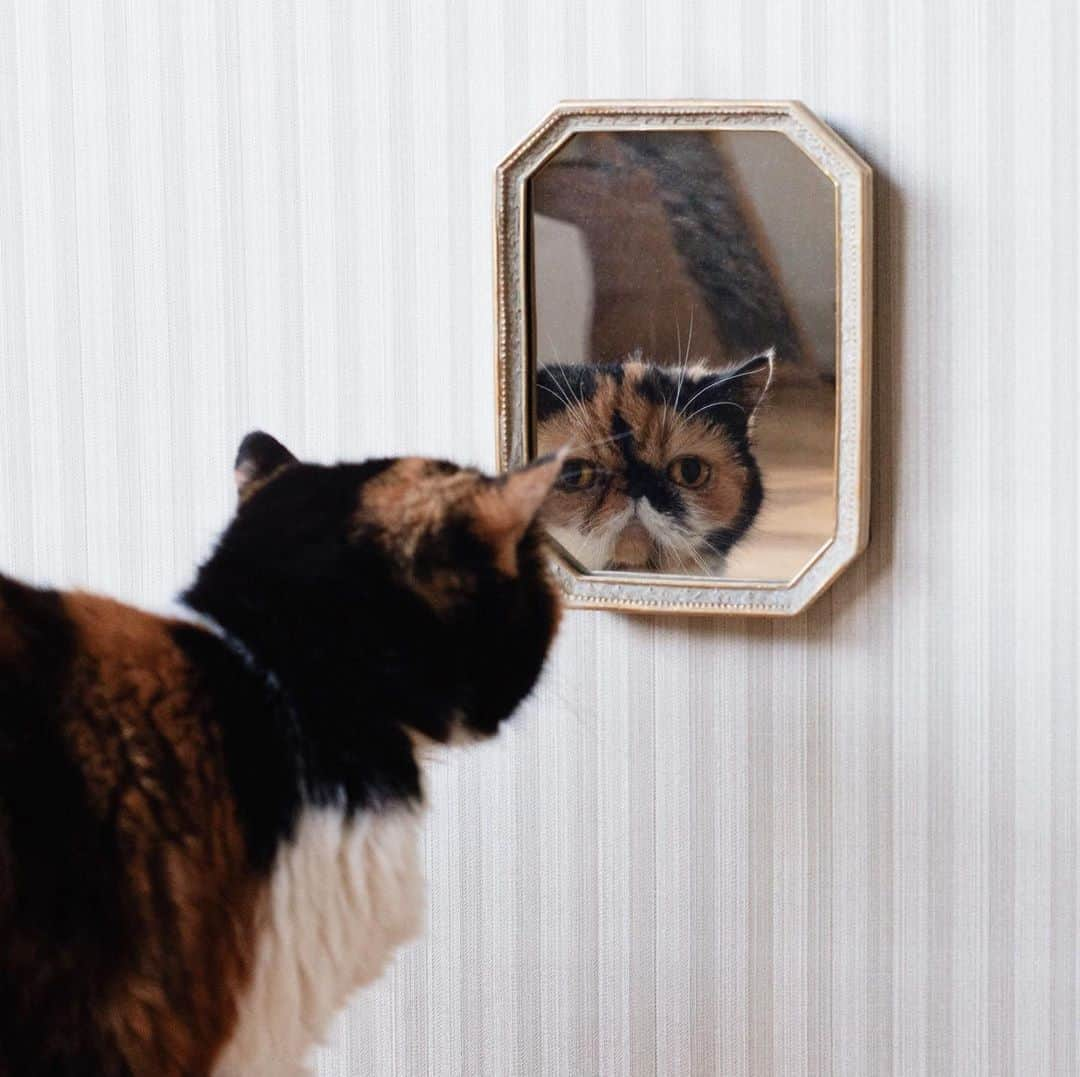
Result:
x=52 y=640
x=119 y=837
x=35 y=634
x=89 y=680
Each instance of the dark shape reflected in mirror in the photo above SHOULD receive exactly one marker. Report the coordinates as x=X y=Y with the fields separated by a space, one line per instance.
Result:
x=684 y=289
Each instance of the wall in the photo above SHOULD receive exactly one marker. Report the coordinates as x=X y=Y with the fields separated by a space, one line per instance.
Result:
x=841 y=844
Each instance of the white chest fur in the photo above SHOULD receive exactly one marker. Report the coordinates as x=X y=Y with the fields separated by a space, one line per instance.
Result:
x=343 y=896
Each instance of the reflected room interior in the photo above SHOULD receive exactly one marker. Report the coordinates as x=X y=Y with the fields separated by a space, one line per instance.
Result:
x=684 y=307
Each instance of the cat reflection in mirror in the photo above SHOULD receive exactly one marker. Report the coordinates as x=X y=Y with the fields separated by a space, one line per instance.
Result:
x=210 y=822
x=661 y=474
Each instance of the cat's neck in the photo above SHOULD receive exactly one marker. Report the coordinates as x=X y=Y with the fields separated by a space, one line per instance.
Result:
x=355 y=740
x=242 y=633
x=359 y=700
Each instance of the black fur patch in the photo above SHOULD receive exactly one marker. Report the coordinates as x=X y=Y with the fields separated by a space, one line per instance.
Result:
x=559 y=386
x=318 y=610
x=722 y=539
x=59 y=866
x=259 y=741
x=643 y=480
x=489 y=662
x=657 y=386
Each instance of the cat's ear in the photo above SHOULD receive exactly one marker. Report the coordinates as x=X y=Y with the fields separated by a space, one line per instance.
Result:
x=748 y=383
x=505 y=507
x=259 y=457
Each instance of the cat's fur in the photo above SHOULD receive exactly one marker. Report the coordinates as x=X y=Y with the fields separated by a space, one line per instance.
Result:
x=208 y=825
x=636 y=431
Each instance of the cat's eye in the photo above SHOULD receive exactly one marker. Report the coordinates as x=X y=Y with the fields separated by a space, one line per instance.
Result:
x=684 y=288
x=689 y=471
x=577 y=474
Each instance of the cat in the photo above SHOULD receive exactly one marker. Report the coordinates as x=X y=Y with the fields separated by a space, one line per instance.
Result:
x=209 y=823
x=661 y=475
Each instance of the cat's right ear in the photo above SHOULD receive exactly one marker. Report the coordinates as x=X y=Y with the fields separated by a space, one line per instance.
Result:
x=259 y=457
x=747 y=384
x=504 y=508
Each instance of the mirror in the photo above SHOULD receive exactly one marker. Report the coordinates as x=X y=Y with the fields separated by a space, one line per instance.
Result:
x=682 y=333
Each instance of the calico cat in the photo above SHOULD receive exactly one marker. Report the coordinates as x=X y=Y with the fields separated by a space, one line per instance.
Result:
x=209 y=823
x=662 y=475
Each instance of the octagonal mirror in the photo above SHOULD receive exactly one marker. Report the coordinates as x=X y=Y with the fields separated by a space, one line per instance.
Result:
x=683 y=311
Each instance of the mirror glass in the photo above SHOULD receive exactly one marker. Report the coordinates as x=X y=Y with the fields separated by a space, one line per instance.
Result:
x=683 y=345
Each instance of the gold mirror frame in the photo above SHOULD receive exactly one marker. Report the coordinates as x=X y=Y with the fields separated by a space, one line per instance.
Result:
x=851 y=177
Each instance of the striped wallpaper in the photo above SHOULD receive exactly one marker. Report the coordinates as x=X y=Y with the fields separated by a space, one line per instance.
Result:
x=844 y=844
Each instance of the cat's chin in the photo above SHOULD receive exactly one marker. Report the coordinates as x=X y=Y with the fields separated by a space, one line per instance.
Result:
x=635 y=547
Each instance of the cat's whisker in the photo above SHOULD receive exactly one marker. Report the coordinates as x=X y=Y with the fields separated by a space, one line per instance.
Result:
x=602 y=441
x=557 y=395
x=689 y=548
x=668 y=416
x=720 y=379
x=593 y=529
x=575 y=412
x=696 y=554
x=577 y=409
x=580 y=471
x=712 y=383
x=554 y=349
x=684 y=364
x=680 y=534
x=676 y=539
x=570 y=389
x=704 y=389
x=714 y=404
x=560 y=373
x=743 y=374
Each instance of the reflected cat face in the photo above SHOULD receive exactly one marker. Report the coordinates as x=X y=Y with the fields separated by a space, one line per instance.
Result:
x=661 y=476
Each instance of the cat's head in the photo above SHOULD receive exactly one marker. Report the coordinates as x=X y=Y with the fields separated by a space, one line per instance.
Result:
x=413 y=588
x=660 y=474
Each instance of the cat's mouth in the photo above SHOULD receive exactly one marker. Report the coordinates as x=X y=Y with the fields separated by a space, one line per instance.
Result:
x=634 y=548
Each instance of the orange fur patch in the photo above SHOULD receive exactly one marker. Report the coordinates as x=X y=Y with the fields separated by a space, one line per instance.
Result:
x=411 y=498
x=152 y=762
x=414 y=497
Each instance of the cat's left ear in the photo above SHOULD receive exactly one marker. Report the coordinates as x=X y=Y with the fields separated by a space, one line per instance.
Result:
x=748 y=383
x=257 y=459
x=505 y=507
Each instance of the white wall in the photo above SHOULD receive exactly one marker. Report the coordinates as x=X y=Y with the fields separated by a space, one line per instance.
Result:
x=844 y=844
